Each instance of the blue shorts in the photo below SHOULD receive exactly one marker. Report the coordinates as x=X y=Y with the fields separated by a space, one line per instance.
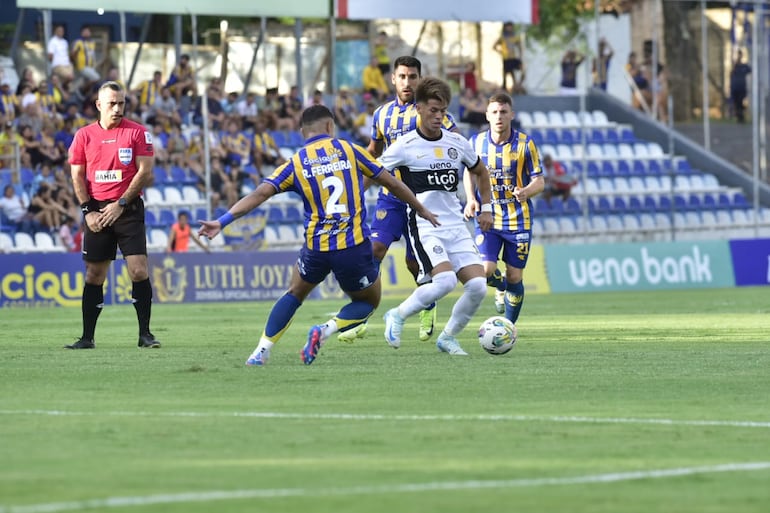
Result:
x=515 y=246
x=354 y=268
x=390 y=222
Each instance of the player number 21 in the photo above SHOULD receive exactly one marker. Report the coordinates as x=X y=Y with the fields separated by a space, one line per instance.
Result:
x=333 y=206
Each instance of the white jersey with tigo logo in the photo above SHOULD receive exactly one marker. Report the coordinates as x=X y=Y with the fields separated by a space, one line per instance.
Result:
x=431 y=169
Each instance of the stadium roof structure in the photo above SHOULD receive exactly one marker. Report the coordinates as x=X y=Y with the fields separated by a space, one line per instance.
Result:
x=294 y=8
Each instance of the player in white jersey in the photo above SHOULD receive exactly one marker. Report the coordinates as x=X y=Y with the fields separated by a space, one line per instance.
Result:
x=429 y=160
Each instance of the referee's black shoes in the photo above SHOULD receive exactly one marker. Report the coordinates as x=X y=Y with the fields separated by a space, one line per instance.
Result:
x=82 y=343
x=148 y=340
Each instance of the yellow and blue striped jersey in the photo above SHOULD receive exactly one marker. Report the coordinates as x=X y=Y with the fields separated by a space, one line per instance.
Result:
x=509 y=46
x=8 y=106
x=85 y=54
x=264 y=143
x=392 y=120
x=328 y=174
x=148 y=92
x=514 y=163
x=236 y=143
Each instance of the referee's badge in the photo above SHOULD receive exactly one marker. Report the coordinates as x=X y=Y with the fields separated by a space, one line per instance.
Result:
x=125 y=155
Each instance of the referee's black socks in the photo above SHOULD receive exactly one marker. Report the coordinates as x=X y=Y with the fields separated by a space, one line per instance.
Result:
x=142 y=294
x=93 y=301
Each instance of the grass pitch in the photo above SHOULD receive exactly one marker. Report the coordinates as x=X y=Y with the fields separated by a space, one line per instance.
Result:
x=614 y=402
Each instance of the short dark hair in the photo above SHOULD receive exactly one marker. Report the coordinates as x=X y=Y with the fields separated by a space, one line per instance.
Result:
x=111 y=85
x=315 y=113
x=501 y=98
x=432 y=88
x=409 y=62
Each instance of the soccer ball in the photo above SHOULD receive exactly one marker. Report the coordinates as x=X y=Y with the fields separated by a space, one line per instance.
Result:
x=497 y=335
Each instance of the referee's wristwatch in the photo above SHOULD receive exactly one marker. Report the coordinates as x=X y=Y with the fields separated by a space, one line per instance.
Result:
x=123 y=202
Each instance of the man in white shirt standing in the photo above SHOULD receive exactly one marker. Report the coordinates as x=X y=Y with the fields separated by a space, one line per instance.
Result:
x=59 y=56
x=429 y=160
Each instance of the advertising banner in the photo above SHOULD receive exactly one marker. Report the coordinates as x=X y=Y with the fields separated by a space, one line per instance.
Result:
x=751 y=261
x=517 y=11
x=630 y=266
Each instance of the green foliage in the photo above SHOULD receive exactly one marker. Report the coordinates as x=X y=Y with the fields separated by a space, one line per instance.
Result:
x=559 y=18
x=172 y=424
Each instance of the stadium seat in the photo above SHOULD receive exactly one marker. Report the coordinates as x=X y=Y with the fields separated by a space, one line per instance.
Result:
x=641 y=151
x=24 y=242
x=635 y=204
x=619 y=205
x=293 y=214
x=45 y=242
x=683 y=167
x=552 y=137
x=615 y=223
x=280 y=138
x=570 y=119
x=166 y=218
x=158 y=239
x=625 y=151
x=539 y=119
x=593 y=169
x=600 y=119
x=525 y=118
x=654 y=167
x=608 y=168
x=6 y=243
x=627 y=135
x=664 y=204
x=172 y=196
x=710 y=182
x=555 y=119
x=639 y=167
x=682 y=183
x=623 y=168
x=153 y=197
x=295 y=139
x=612 y=136
x=160 y=175
x=537 y=135
x=597 y=136
x=739 y=202
x=572 y=207
x=568 y=137
x=595 y=151
x=631 y=222
x=275 y=215
x=192 y=196
x=654 y=150
x=694 y=203
x=150 y=219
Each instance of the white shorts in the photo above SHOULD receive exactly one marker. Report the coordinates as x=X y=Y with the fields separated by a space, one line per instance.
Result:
x=453 y=245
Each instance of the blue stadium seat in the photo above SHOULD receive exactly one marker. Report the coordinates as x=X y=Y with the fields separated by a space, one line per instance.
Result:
x=567 y=137
x=160 y=175
x=608 y=169
x=619 y=206
x=627 y=135
x=280 y=138
x=150 y=220
x=680 y=203
x=723 y=201
x=740 y=202
x=593 y=169
x=293 y=214
x=683 y=167
x=597 y=136
x=574 y=168
x=219 y=212
x=27 y=177
x=199 y=215
x=557 y=206
x=654 y=167
x=275 y=215
x=180 y=176
x=639 y=168
x=572 y=207
x=623 y=168
x=295 y=139
x=612 y=136
x=694 y=203
x=542 y=208
x=166 y=217
x=635 y=205
x=552 y=137
x=537 y=135
x=710 y=201
x=664 y=204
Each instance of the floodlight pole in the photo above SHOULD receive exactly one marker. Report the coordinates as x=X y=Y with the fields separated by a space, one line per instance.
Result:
x=204 y=116
x=123 y=74
x=704 y=66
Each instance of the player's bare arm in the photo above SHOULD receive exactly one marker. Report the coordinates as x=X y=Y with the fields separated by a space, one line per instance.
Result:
x=403 y=193
x=481 y=173
x=471 y=205
x=255 y=198
x=532 y=189
x=376 y=148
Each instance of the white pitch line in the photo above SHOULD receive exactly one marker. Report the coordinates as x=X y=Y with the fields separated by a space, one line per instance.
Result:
x=414 y=418
x=224 y=495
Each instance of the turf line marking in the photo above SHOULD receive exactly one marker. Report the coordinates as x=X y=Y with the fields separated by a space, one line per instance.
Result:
x=224 y=495
x=416 y=418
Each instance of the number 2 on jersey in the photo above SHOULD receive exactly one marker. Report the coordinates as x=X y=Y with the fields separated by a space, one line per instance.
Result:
x=333 y=206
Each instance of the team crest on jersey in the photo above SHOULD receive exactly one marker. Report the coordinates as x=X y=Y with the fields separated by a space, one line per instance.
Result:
x=438 y=250
x=381 y=213
x=452 y=153
x=125 y=155
x=479 y=238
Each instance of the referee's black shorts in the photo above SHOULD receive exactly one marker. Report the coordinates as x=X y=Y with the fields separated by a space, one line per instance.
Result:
x=128 y=233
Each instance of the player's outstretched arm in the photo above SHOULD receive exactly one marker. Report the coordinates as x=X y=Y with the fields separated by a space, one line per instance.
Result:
x=403 y=193
x=255 y=198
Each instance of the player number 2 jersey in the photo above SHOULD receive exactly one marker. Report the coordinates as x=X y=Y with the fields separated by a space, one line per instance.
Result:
x=328 y=174
x=431 y=169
